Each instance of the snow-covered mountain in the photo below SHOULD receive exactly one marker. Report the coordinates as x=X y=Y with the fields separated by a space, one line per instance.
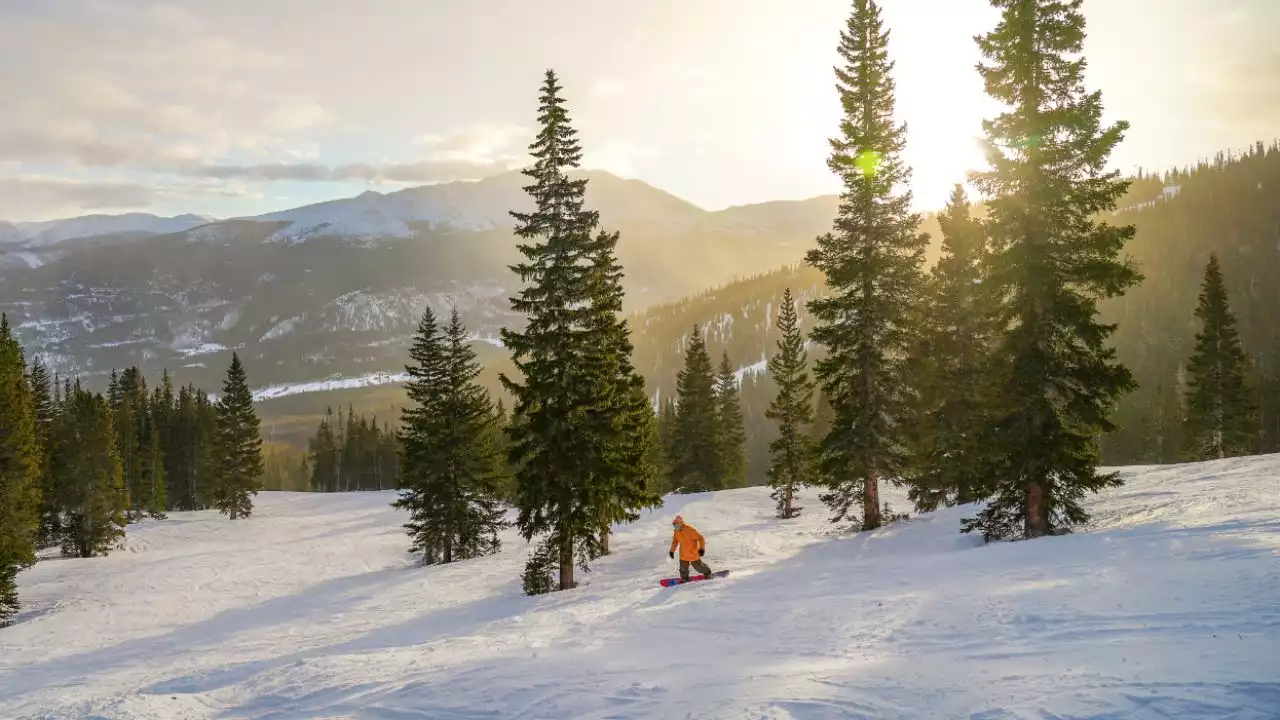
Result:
x=1165 y=607
x=473 y=206
x=33 y=235
x=337 y=288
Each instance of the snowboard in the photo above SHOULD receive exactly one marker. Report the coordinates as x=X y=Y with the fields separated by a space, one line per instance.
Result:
x=668 y=582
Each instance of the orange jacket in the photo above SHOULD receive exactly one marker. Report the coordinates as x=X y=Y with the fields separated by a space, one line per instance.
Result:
x=689 y=540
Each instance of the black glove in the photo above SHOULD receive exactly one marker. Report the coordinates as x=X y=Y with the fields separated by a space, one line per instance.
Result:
x=702 y=551
x=672 y=554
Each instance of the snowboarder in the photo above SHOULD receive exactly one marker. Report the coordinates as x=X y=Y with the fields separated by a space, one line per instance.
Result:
x=692 y=548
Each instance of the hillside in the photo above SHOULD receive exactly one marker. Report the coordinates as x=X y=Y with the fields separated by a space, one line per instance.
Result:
x=1165 y=607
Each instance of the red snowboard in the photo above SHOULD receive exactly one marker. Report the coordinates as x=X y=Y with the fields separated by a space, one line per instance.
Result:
x=668 y=582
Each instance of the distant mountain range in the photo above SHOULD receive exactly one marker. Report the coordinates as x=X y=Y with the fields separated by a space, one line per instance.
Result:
x=336 y=288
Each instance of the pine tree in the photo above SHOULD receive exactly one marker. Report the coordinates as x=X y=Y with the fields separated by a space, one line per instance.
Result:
x=1221 y=418
x=623 y=475
x=666 y=439
x=153 y=482
x=695 y=459
x=731 y=434
x=89 y=473
x=20 y=471
x=552 y=433
x=164 y=414
x=948 y=363
x=44 y=410
x=872 y=262
x=237 y=446
x=324 y=456
x=450 y=470
x=1053 y=261
x=792 y=409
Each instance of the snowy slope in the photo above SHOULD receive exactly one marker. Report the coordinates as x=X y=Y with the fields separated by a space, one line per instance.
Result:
x=478 y=205
x=52 y=232
x=1168 y=608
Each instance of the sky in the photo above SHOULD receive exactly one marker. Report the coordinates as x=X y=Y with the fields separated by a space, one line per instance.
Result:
x=240 y=107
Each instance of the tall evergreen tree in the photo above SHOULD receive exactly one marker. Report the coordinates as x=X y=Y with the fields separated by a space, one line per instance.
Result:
x=957 y=321
x=552 y=434
x=237 y=446
x=90 y=476
x=20 y=471
x=872 y=262
x=731 y=433
x=1221 y=419
x=623 y=476
x=1054 y=260
x=792 y=409
x=695 y=458
x=450 y=470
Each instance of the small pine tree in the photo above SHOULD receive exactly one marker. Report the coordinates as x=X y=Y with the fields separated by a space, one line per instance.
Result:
x=20 y=471
x=90 y=475
x=237 y=446
x=666 y=439
x=731 y=434
x=537 y=578
x=45 y=411
x=1055 y=380
x=695 y=461
x=1221 y=418
x=450 y=470
x=324 y=454
x=792 y=409
x=872 y=262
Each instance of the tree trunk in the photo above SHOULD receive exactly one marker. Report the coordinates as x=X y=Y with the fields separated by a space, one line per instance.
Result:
x=1037 y=523
x=566 y=563
x=787 y=507
x=871 y=503
x=233 y=512
x=604 y=541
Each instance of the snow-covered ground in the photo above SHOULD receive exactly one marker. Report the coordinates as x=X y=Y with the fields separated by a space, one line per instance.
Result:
x=1167 y=607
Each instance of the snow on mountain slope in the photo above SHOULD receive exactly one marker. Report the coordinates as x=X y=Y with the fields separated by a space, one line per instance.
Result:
x=52 y=232
x=1168 y=607
x=478 y=205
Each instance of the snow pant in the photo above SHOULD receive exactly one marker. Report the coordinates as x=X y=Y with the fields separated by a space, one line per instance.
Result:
x=697 y=565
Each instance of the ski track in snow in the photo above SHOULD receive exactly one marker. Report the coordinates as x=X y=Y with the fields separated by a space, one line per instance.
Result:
x=1168 y=606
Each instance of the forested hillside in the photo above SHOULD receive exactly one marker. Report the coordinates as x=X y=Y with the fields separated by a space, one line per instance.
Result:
x=1230 y=206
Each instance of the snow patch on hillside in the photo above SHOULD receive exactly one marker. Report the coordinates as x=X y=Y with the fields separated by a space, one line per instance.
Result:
x=373 y=215
x=754 y=368
x=1166 y=607
x=337 y=383
x=52 y=232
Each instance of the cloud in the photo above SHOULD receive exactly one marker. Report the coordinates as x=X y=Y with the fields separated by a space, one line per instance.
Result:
x=608 y=88
x=18 y=196
x=482 y=143
x=617 y=156
x=145 y=86
x=427 y=171
x=294 y=117
x=471 y=153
